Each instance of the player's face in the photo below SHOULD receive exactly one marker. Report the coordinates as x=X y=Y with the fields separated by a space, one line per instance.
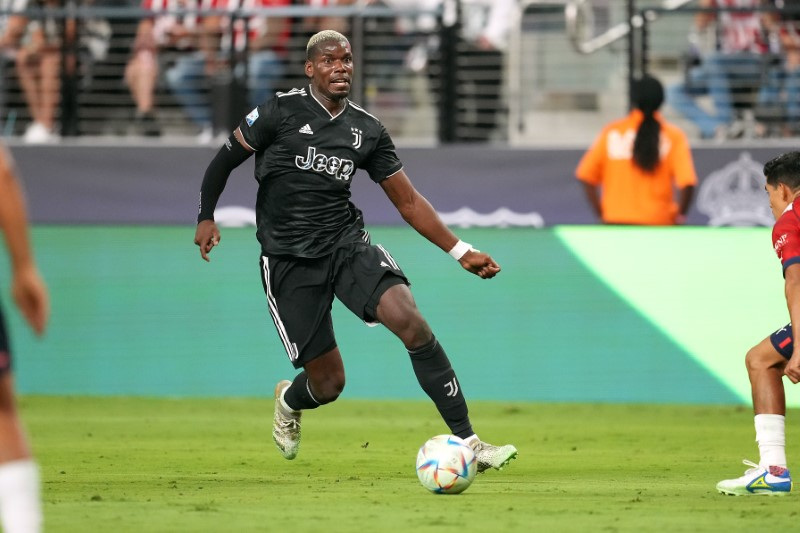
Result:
x=779 y=198
x=331 y=70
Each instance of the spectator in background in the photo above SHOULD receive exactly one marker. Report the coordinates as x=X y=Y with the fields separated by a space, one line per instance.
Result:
x=20 y=505
x=93 y=36
x=265 y=40
x=322 y=21
x=730 y=75
x=39 y=61
x=39 y=69
x=629 y=172
x=782 y=93
x=484 y=31
x=12 y=27
x=165 y=31
x=485 y=26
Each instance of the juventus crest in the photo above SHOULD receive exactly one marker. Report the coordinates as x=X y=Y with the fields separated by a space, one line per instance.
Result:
x=356 y=137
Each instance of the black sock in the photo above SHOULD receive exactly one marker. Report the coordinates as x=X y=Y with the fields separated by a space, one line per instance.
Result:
x=438 y=380
x=298 y=396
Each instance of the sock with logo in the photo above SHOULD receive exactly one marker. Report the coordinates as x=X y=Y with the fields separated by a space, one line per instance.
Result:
x=438 y=380
x=771 y=439
x=298 y=396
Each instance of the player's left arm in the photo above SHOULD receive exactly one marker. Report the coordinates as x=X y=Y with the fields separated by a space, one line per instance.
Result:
x=792 y=290
x=420 y=215
x=28 y=288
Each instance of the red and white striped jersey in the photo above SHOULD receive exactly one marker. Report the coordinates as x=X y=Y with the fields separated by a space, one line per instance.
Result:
x=741 y=31
x=256 y=25
x=165 y=18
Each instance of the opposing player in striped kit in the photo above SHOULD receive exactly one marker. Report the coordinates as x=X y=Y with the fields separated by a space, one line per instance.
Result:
x=308 y=144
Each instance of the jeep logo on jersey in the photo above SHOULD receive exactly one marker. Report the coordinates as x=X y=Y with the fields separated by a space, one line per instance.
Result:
x=341 y=169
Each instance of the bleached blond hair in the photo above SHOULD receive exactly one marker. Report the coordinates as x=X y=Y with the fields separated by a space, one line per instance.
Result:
x=323 y=37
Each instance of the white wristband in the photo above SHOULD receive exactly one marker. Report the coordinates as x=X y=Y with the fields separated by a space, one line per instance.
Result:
x=458 y=251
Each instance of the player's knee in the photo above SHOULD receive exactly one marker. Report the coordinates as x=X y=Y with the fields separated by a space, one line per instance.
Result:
x=414 y=331
x=752 y=359
x=757 y=359
x=328 y=389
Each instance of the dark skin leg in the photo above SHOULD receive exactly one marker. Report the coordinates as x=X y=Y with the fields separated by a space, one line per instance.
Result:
x=399 y=313
x=765 y=370
x=326 y=376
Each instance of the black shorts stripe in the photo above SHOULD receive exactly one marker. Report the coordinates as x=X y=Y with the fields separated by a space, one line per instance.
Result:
x=288 y=345
x=388 y=256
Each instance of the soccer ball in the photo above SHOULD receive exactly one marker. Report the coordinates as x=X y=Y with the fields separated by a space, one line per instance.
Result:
x=446 y=465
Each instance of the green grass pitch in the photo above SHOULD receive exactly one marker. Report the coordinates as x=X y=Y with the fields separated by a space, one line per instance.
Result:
x=140 y=464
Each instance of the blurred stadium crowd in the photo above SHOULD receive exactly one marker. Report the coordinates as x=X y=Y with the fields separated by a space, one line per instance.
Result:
x=432 y=70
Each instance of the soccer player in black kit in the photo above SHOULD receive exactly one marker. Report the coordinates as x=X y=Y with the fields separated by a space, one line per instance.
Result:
x=308 y=144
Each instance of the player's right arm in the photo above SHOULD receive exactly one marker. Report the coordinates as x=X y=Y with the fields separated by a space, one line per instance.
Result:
x=233 y=153
x=28 y=288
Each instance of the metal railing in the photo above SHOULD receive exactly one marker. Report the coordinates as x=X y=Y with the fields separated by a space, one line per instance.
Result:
x=94 y=99
x=565 y=73
x=580 y=24
x=571 y=63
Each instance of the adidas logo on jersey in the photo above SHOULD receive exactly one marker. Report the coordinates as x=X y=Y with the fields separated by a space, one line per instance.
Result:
x=307 y=130
x=384 y=265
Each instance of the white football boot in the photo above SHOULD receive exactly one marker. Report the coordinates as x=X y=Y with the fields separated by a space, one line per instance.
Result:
x=491 y=456
x=758 y=481
x=285 y=425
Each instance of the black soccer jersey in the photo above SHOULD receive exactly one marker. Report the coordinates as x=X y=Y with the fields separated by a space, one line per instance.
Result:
x=305 y=162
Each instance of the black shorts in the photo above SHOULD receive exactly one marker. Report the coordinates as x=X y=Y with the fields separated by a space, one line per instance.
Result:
x=782 y=341
x=300 y=294
x=5 y=351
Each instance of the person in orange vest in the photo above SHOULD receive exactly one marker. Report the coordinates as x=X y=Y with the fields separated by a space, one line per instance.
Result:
x=636 y=164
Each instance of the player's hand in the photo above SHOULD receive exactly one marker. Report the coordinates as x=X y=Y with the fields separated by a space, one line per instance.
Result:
x=31 y=296
x=480 y=264
x=206 y=237
x=792 y=369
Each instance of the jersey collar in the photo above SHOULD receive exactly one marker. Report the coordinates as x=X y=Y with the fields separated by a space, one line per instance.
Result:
x=314 y=96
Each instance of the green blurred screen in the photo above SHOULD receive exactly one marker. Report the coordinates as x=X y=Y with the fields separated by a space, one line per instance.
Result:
x=579 y=313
